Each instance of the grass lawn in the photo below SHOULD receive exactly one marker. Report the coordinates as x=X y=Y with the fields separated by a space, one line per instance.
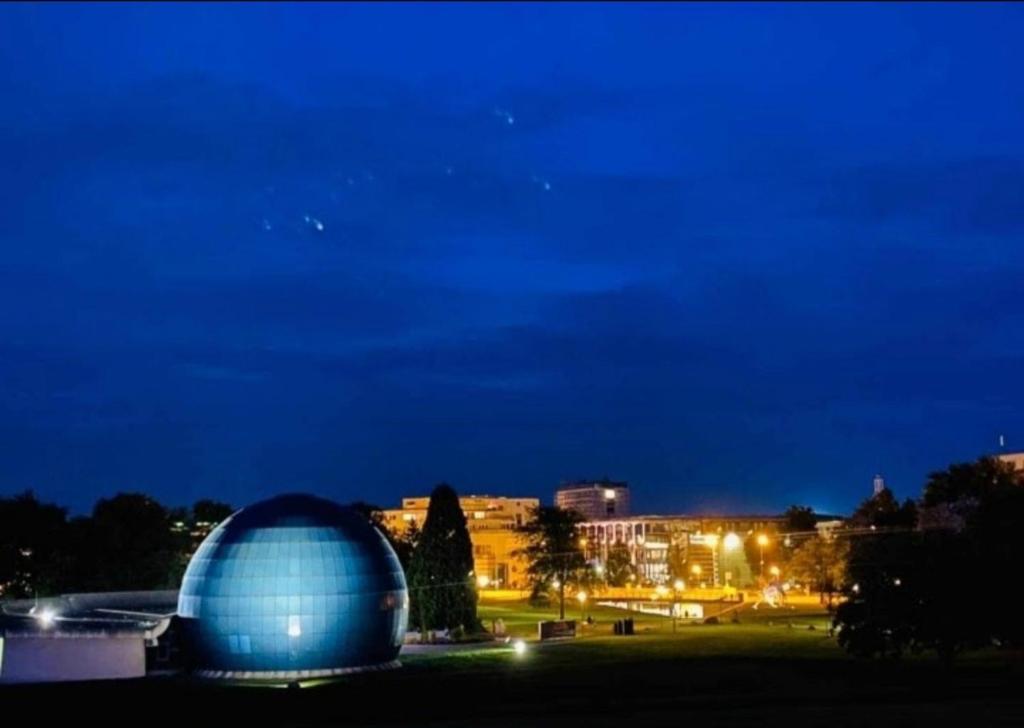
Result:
x=768 y=669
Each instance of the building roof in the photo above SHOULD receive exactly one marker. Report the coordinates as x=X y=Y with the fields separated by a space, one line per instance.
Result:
x=94 y=614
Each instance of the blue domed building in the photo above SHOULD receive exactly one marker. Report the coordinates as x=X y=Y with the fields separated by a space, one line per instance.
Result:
x=293 y=586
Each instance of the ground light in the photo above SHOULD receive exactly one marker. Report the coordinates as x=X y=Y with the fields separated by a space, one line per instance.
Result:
x=46 y=618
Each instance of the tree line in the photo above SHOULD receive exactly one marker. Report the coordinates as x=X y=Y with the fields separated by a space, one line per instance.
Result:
x=938 y=575
x=128 y=542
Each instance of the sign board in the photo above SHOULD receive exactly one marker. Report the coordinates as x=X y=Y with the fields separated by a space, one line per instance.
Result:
x=556 y=630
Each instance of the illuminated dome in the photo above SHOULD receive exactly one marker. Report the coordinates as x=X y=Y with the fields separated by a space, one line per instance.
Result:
x=294 y=586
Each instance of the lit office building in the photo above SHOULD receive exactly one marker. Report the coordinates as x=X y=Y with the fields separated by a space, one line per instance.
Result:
x=493 y=523
x=594 y=499
x=704 y=550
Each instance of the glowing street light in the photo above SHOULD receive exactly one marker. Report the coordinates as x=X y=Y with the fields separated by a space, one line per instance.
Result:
x=582 y=597
x=519 y=647
x=762 y=541
x=679 y=585
x=731 y=542
x=774 y=571
x=483 y=581
x=695 y=570
x=46 y=618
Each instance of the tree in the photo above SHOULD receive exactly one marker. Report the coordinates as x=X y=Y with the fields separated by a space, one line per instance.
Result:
x=800 y=519
x=952 y=497
x=882 y=510
x=898 y=597
x=985 y=503
x=32 y=540
x=441 y=584
x=210 y=512
x=821 y=562
x=404 y=543
x=131 y=545
x=618 y=566
x=877 y=617
x=899 y=584
x=676 y=558
x=553 y=549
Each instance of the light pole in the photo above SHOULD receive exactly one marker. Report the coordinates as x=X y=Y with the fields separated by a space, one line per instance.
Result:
x=582 y=597
x=677 y=586
x=762 y=541
x=695 y=570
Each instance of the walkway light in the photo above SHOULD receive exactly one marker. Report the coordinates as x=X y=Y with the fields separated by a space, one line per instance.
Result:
x=46 y=618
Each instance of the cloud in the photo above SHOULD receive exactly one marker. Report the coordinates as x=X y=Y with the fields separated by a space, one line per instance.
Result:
x=976 y=195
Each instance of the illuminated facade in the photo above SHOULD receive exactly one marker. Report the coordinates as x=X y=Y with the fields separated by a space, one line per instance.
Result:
x=665 y=547
x=293 y=586
x=594 y=499
x=492 y=522
x=1016 y=459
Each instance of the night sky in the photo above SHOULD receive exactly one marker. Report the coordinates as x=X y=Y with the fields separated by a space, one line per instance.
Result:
x=740 y=256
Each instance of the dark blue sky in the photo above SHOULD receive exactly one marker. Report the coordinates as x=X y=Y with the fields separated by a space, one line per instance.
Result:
x=739 y=255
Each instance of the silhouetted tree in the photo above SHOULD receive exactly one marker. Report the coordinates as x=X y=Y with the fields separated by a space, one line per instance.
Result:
x=132 y=545
x=882 y=510
x=441 y=581
x=403 y=543
x=619 y=566
x=553 y=549
x=32 y=539
x=209 y=512
x=800 y=519
x=899 y=584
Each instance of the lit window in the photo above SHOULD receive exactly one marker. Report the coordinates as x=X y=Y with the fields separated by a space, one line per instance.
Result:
x=609 y=494
x=294 y=626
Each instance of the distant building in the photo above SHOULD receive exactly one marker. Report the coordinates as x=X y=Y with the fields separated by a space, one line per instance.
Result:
x=878 y=484
x=594 y=499
x=694 y=548
x=493 y=523
x=1016 y=459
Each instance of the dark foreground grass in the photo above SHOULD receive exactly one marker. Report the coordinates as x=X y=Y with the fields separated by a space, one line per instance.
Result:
x=769 y=669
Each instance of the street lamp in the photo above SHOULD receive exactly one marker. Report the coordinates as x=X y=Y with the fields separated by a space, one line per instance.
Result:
x=46 y=618
x=582 y=597
x=774 y=571
x=762 y=541
x=677 y=586
x=731 y=542
x=695 y=570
